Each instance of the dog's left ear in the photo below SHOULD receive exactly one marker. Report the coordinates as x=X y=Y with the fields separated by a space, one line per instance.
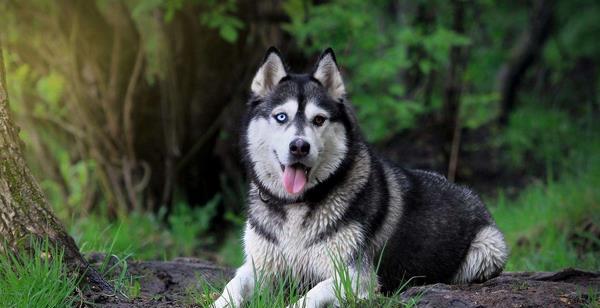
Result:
x=328 y=74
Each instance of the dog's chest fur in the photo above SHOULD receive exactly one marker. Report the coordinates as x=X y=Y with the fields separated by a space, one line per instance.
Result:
x=304 y=238
x=303 y=245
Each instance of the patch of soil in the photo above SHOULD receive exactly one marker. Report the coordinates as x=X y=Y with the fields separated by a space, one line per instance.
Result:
x=162 y=283
x=567 y=288
x=166 y=284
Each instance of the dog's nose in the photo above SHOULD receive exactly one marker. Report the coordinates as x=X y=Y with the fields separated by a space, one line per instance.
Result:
x=299 y=147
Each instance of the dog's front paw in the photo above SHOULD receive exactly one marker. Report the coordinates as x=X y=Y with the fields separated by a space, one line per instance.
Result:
x=309 y=302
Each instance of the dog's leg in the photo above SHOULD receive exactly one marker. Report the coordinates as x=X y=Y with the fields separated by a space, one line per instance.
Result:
x=238 y=289
x=324 y=293
x=321 y=295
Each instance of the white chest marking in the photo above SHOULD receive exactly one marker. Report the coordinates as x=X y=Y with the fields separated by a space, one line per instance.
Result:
x=298 y=252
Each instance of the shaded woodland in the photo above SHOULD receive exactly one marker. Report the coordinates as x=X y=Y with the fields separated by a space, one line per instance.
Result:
x=147 y=96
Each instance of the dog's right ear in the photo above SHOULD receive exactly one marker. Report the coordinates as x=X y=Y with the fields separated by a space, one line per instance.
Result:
x=269 y=74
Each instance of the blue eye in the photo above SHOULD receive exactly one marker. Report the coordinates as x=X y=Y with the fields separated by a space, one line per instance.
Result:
x=281 y=117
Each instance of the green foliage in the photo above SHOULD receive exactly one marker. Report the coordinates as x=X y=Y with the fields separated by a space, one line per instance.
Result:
x=231 y=251
x=398 y=64
x=581 y=31
x=145 y=235
x=218 y=15
x=539 y=134
x=140 y=235
x=375 y=48
x=38 y=279
x=477 y=110
x=38 y=99
x=50 y=89
x=188 y=224
x=80 y=175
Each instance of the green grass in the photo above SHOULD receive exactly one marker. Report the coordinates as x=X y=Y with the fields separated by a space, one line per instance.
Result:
x=285 y=290
x=544 y=226
x=114 y=269
x=142 y=236
x=346 y=289
x=36 y=280
x=591 y=298
x=277 y=293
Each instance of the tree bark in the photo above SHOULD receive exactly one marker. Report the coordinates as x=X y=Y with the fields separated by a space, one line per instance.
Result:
x=24 y=210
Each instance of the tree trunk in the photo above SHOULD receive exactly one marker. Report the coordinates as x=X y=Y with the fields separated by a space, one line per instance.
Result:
x=24 y=210
x=452 y=91
x=523 y=56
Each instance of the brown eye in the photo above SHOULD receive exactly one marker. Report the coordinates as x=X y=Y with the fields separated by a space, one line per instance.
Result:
x=319 y=120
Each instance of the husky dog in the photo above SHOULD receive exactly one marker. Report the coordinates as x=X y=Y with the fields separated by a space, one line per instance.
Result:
x=317 y=189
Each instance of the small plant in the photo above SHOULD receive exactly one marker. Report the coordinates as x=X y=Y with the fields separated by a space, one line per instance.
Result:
x=592 y=298
x=204 y=294
x=189 y=224
x=141 y=235
x=346 y=287
x=36 y=279
x=134 y=289
x=146 y=236
x=521 y=286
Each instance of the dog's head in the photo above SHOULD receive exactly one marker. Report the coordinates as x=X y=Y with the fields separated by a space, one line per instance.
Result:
x=299 y=126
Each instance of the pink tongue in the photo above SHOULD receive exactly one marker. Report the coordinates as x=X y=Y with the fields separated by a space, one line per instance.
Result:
x=294 y=179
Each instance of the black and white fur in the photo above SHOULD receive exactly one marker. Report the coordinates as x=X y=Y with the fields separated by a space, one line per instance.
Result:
x=361 y=207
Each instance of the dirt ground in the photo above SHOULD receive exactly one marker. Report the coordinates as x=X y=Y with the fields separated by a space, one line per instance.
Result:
x=567 y=288
x=167 y=284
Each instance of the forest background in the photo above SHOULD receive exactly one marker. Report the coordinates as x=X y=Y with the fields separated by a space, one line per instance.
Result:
x=129 y=111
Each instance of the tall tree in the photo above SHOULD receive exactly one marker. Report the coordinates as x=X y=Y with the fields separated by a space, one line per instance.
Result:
x=24 y=210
